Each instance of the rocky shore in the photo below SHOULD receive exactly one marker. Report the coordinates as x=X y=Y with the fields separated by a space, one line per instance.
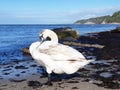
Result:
x=102 y=74
x=66 y=34
x=109 y=39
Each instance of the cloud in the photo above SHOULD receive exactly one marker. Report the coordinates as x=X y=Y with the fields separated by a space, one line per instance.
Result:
x=56 y=17
x=93 y=12
x=72 y=16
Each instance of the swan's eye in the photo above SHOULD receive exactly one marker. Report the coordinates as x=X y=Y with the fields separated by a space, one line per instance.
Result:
x=48 y=38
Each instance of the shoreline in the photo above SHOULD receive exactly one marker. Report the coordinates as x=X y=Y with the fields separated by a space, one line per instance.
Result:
x=28 y=75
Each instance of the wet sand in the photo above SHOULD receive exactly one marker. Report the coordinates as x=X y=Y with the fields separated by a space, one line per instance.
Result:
x=28 y=75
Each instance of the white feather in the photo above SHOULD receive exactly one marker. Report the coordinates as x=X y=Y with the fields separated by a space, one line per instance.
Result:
x=55 y=57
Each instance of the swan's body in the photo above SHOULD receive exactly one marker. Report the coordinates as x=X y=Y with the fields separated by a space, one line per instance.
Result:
x=55 y=57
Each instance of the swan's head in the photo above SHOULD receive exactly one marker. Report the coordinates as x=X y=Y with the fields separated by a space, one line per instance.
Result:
x=48 y=35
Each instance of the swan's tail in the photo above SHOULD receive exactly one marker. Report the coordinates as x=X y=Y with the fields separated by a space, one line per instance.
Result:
x=87 y=67
x=87 y=61
x=90 y=60
x=84 y=63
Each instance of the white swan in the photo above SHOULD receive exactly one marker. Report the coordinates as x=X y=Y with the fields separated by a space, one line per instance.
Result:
x=55 y=57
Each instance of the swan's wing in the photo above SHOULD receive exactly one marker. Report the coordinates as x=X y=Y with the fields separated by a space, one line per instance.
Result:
x=63 y=52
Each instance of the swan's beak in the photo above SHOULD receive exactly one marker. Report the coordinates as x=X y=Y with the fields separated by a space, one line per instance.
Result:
x=41 y=39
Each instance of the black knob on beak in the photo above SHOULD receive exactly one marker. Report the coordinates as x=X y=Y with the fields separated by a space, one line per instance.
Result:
x=41 y=37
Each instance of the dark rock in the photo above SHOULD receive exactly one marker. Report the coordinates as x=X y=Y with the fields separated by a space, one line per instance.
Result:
x=109 y=39
x=6 y=73
x=117 y=30
x=73 y=82
x=21 y=67
x=109 y=84
x=17 y=75
x=34 y=65
x=34 y=84
x=23 y=72
x=75 y=88
x=112 y=46
x=7 y=69
x=56 y=79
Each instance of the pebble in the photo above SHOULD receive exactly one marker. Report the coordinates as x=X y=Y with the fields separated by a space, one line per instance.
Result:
x=106 y=74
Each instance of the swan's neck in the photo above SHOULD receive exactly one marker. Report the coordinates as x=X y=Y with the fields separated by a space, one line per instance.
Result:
x=54 y=38
x=33 y=47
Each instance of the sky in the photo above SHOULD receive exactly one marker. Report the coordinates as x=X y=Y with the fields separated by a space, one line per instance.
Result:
x=54 y=11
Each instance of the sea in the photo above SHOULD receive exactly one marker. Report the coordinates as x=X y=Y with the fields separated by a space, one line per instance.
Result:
x=13 y=37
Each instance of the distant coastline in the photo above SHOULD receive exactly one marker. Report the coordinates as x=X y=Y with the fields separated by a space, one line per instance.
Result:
x=114 y=19
x=96 y=23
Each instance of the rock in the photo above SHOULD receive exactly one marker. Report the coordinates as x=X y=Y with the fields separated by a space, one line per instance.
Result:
x=66 y=34
x=26 y=51
x=17 y=75
x=69 y=39
x=82 y=45
x=7 y=69
x=73 y=82
x=63 y=29
x=106 y=74
x=23 y=72
x=117 y=30
x=6 y=73
x=75 y=88
x=21 y=67
x=34 y=84
x=34 y=65
x=17 y=80
x=109 y=39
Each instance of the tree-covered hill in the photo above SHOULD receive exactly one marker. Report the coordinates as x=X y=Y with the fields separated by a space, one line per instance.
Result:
x=115 y=18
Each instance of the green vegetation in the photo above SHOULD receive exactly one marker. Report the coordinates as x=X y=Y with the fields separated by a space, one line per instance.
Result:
x=65 y=34
x=115 y=18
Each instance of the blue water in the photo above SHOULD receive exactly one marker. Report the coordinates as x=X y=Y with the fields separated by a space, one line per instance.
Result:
x=15 y=37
